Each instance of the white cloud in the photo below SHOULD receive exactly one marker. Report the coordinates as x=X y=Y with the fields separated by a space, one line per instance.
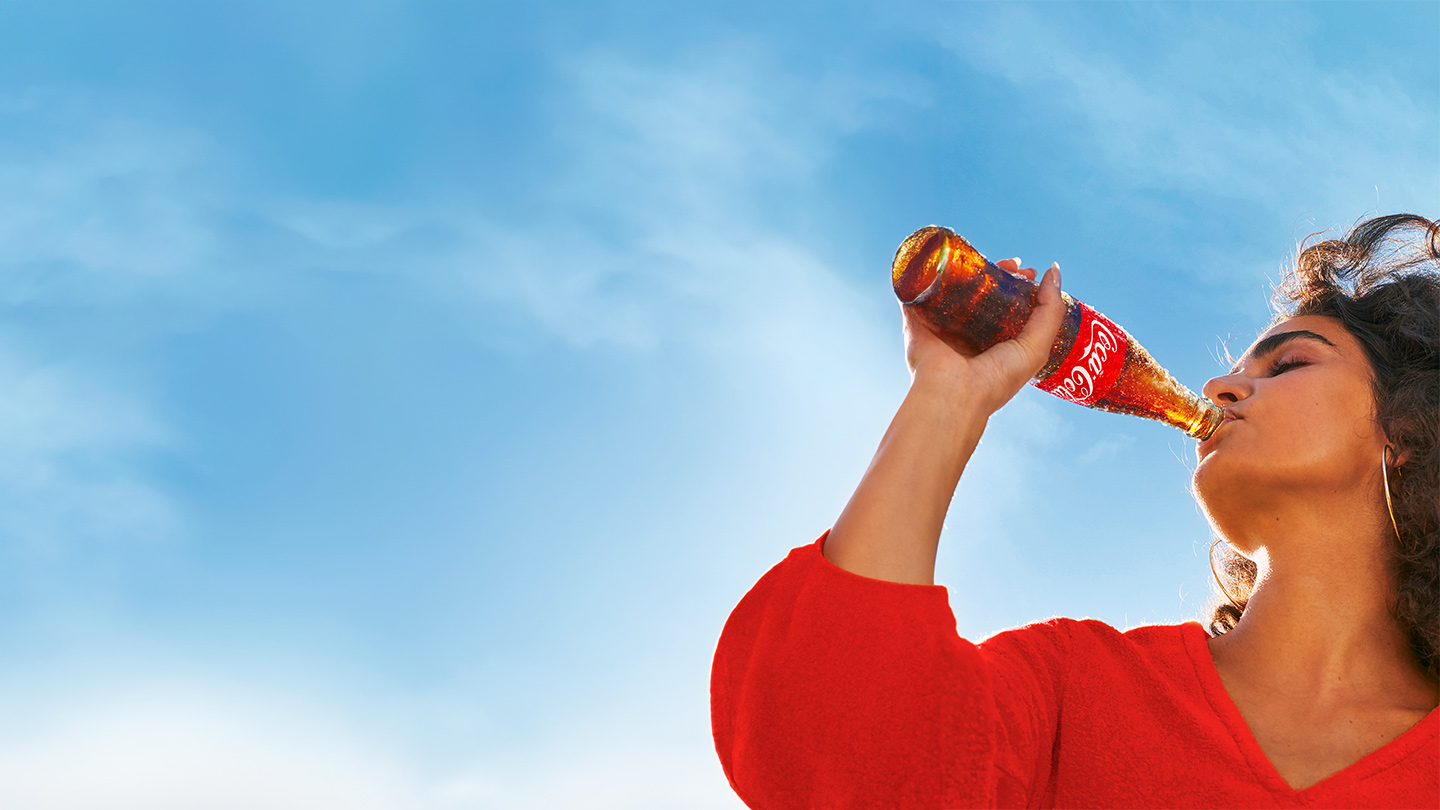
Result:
x=189 y=747
x=162 y=750
x=599 y=776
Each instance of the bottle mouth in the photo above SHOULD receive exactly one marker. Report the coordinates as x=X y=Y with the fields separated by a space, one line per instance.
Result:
x=1210 y=418
x=919 y=261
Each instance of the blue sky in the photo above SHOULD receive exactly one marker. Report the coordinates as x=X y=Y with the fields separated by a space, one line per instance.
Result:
x=396 y=397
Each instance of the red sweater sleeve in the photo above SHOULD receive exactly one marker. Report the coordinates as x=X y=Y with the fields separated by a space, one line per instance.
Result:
x=832 y=690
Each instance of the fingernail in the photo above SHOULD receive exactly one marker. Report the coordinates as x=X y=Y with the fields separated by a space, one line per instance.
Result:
x=1053 y=274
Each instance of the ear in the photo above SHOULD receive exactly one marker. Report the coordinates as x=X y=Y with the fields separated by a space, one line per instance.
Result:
x=1399 y=460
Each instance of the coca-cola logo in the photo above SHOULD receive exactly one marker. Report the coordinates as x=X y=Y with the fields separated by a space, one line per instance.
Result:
x=1092 y=364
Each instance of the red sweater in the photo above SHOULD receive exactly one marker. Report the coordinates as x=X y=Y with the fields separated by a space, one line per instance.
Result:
x=832 y=690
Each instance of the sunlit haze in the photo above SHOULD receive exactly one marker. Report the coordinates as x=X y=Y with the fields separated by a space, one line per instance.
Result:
x=396 y=397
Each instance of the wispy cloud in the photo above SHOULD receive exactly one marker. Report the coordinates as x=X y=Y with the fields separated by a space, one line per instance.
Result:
x=1106 y=449
x=104 y=219
x=71 y=449
x=659 y=220
x=1185 y=107
x=97 y=207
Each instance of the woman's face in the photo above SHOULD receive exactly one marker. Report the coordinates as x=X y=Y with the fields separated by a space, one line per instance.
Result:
x=1299 y=429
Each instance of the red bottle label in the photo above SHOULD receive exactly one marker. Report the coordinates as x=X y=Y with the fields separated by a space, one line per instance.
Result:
x=1094 y=362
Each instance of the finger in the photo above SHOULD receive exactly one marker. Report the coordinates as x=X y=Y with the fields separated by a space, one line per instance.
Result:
x=1027 y=272
x=1009 y=265
x=915 y=325
x=1039 y=333
x=910 y=322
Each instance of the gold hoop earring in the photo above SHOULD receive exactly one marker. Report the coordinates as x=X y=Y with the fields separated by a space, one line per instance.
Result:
x=1385 y=476
x=1216 y=575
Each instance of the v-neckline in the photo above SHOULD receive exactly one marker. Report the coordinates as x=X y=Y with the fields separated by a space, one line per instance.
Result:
x=1265 y=771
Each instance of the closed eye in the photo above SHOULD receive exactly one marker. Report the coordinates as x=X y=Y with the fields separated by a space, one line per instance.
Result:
x=1282 y=366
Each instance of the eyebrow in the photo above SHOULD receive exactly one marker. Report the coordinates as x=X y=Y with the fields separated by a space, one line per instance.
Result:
x=1275 y=341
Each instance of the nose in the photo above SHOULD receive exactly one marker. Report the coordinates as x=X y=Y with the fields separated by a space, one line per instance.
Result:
x=1227 y=390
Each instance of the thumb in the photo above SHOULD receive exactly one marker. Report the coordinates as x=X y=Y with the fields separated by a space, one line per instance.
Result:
x=1039 y=333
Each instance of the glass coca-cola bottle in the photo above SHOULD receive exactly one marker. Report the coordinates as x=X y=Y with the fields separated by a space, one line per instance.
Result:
x=972 y=304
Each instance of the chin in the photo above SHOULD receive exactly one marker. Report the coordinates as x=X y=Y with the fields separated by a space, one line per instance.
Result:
x=1222 y=492
x=1207 y=481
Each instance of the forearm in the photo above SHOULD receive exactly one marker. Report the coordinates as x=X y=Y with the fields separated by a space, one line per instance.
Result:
x=890 y=529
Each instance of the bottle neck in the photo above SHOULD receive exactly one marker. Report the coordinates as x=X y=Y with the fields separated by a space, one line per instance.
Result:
x=1208 y=417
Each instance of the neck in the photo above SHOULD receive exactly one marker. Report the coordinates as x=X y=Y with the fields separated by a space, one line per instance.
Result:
x=1302 y=646
x=1318 y=632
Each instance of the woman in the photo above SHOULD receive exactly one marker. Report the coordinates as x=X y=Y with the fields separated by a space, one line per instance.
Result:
x=840 y=681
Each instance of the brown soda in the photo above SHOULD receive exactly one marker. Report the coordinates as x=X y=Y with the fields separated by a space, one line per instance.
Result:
x=972 y=305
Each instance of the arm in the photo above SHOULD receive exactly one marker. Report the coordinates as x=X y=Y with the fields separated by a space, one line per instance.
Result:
x=890 y=529
x=835 y=688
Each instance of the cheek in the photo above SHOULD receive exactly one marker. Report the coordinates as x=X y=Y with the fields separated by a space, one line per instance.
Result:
x=1329 y=427
x=1305 y=431
x=1318 y=436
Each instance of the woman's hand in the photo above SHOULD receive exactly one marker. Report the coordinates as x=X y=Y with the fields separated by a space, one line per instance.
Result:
x=991 y=378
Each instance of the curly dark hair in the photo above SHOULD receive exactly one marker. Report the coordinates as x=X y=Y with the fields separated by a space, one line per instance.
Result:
x=1382 y=282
